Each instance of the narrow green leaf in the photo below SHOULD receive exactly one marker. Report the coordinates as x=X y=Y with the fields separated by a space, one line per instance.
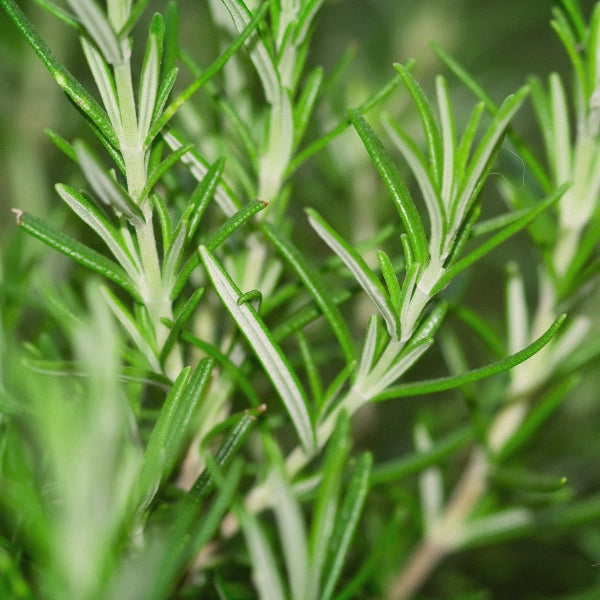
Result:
x=94 y=218
x=78 y=94
x=135 y=329
x=134 y=15
x=594 y=45
x=448 y=139
x=236 y=373
x=98 y=27
x=266 y=349
x=164 y=91
x=447 y=383
x=150 y=75
x=77 y=251
x=431 y=323
x=346 y=523
x=496 y=240
x=359 y=268
x=265 y=574
x=526 y=480
x=209 y=73
x=215 y=240
x=104 y=82
x=164 y=218
x=393 y=181
x=171 y=36
x=199 y=168
x=499 y=222
x=172 y=259
x=484 y=153
x=395 y=470
x=432 y=133
x=181 y=419
x=306 y=103
x=326 y=505
x=203 y=193
x=466 y=141
x=205 y=483
x=523 y=149
x=259 y=54
x=429 y=190
x=105 y=187
x=161 y=169
x=180 y=320
x=324 y=140
x=62 y=144
x=310 y=279
x=154 y=468
x=561 y=25
x=368 y=353
x=62 y=15
x=234 y=222
x=312 y=372
x=290 y=524
x=390 y=278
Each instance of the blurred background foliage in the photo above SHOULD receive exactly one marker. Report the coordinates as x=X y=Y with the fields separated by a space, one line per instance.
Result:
x=500 y=42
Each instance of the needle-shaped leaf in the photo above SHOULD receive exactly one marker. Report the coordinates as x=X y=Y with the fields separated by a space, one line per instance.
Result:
x=79 y=252
x=105 y=187
x=62 y=15
x=324 y=140
x=202 y=195
x=215 y=240
x=395 y=185
x=174 y=255
x=136 y=12
x=135 y=329
x=150 y=76
x=471 y=182
x=530 y=160
x=155 y=454
x=180 y=320
x=104 y=82
x=164 y=91
x=265 y=574
x=98 y=27
x=94 y=218
x=390 y=278
x=326 y=506
x=164 y=219
x=346 y=522
x=225 y=362
x=290 y=524
x=209 y=73
x=305 y=105
x=259 y=54
x=429 y=190
x=496 y=240
x=395 y=470
x=447 y=383
x=448 y=139
x=239 y=433
x=359 y=268
x=266 y=349
x=430 y=127
x=199 y=168
x=310 y=279
x=78 y=94
x=161 y=169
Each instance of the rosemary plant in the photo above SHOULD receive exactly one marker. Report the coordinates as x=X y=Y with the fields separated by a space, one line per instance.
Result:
x=202 y=366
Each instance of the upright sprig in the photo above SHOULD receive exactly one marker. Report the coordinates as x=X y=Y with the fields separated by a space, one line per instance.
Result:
x=127 y=123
